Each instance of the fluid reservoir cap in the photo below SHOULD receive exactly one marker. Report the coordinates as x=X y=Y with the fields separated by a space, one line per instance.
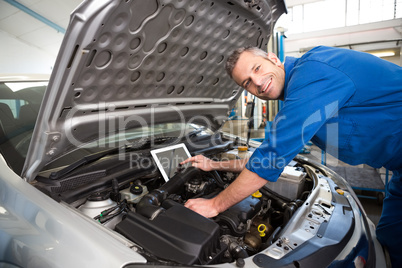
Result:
x=136 y=189
x=257 y=194
x=242 y=148
x=99 y=196
x=339 y=191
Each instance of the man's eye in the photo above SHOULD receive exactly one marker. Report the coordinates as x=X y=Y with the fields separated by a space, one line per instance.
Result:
x=257 y=68
x=246 y=84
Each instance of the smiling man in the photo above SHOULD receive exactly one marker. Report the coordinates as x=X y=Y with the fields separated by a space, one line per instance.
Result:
x=261 y=74
x=348 y=103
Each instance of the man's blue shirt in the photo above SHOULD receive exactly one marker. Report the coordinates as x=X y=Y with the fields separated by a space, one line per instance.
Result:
x=346 y=102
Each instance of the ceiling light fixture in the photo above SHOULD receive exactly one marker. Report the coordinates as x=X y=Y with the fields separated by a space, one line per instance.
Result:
x=384 y=54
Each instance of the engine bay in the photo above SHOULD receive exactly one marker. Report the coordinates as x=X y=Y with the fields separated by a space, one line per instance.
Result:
x=139 y=204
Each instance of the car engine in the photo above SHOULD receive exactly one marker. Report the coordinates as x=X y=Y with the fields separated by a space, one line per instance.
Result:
x=150 y=212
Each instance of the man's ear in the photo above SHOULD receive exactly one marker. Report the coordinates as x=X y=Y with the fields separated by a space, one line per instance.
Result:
x=272 y=57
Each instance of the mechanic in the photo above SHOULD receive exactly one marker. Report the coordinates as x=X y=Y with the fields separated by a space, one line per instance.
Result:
x=346 y=102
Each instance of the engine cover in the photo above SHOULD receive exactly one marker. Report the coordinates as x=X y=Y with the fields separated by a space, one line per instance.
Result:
x=177 y=234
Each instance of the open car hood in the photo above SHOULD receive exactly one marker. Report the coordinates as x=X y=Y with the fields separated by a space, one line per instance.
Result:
x=124 y=64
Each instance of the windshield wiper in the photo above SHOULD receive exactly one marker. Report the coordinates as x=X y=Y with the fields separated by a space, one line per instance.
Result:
x=86 y=160
x=195 y=132
x=141 y=144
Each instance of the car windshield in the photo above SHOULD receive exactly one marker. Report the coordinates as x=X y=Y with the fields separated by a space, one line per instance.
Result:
x=137 y=137
x=19 y=108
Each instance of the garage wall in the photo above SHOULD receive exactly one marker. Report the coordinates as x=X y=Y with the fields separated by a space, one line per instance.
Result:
x=370 y=26
x=19 y=57
x=371 y=38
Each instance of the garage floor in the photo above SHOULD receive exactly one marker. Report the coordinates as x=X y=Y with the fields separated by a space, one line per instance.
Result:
x=361 y=176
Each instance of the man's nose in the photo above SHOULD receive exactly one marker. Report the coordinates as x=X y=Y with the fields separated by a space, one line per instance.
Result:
x=257 y=80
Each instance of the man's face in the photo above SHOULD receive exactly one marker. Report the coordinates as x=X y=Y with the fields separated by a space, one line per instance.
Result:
x=262 y=77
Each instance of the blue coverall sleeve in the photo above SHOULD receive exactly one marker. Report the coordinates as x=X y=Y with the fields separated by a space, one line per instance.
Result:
x=316 y=91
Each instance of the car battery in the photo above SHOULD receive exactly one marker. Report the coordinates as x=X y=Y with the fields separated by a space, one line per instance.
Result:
x=289 y=184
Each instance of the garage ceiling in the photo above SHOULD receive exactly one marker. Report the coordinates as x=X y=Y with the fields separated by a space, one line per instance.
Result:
x=38 y=32
x=42 y=34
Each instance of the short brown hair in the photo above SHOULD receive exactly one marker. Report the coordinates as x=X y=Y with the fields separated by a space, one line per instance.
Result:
x=235 y=54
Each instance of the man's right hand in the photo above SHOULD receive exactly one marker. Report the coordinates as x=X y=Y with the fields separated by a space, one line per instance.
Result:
x=204 y=207
x=245 y=184
x=201 y=162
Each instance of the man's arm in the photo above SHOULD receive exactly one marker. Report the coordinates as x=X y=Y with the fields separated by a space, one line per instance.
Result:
x=206 y=164
x=247 y=183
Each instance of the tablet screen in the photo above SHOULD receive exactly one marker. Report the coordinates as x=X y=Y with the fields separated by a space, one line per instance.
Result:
x=169 y=158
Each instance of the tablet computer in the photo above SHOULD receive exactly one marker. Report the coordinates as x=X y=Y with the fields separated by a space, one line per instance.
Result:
x=168 y=159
